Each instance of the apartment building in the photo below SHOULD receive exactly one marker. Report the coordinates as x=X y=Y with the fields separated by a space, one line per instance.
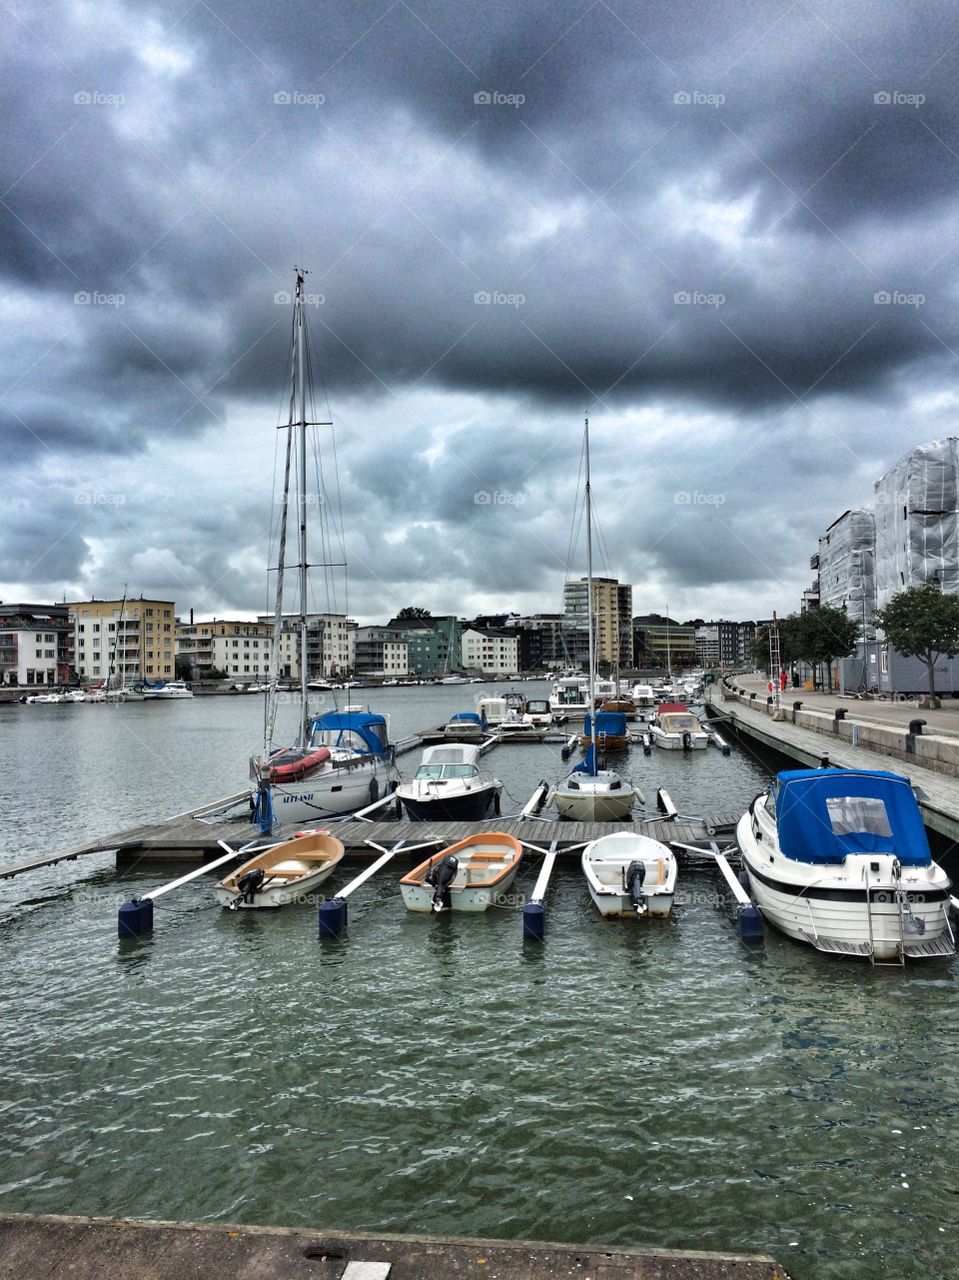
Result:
x=612 y=620
x=36 y=644
x=239 y=649
x=132 y=638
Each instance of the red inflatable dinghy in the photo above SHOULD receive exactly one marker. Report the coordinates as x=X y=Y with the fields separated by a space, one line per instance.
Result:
x=289 y=766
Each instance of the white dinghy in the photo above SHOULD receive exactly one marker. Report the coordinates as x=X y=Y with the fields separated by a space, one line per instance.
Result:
x=283 y=873
x=630 y=875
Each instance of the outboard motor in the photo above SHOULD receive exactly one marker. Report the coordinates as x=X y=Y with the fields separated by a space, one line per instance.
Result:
x=687 y=740
x=441 y=877
x=249 y=885
x=635 y=875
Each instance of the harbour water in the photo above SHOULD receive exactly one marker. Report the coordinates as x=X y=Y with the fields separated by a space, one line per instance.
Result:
x=639 y=1084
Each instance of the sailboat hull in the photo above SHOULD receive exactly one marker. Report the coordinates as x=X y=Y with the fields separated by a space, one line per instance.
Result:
x=339 y=791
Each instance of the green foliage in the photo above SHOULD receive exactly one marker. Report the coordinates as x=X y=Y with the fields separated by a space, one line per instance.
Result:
x=922 y=623
x=818 y=636
x=413 y=611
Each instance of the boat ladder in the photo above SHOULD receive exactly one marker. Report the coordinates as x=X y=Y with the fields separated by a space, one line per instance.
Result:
x=900 y=900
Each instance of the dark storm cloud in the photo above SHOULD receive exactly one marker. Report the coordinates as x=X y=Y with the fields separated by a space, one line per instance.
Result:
x=692 y=213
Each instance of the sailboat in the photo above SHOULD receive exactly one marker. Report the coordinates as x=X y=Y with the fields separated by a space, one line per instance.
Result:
x=342 y=760
x=591 y=794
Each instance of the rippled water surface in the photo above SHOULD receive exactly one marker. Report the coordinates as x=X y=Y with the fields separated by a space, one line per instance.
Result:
x=652 y=1084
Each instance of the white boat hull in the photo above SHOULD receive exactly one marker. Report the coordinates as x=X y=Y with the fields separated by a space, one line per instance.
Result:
x=340 y=790
x=674 y=741
x=591 y=800
x=280 y=895
x=827 y=906
x=605 y=863
x=463 y=896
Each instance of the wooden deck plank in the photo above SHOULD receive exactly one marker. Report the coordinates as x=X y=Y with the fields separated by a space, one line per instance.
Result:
x=181 y=837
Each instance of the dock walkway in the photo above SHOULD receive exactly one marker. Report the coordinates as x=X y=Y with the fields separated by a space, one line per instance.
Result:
x=189 y=838
x=938 y=793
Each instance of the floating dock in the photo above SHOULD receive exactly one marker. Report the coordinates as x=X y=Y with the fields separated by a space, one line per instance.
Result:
x=192 y=837
x=91 y=1248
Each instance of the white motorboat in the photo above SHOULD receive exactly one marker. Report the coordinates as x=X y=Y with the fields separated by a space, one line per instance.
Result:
x=630 y=875
x=569 y=696
x=343 y=760
x=471 y=875
x=515 y=725
x=591 y=794
x=166 y=691
x=493 y=710
x=677 y=729
x=538 y=713
x=643 y=695
x=466 y=726
x=45 y=699
x=450 y=786
x=839 y=858
x=282 y=873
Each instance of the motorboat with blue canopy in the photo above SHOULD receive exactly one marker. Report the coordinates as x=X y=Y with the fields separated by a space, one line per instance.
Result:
x=466 y=724
x=839 y=858
x=819 y=821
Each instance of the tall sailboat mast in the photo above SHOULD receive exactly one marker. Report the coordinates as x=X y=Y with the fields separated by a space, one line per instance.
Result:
x=303 y=566
x=590 y=692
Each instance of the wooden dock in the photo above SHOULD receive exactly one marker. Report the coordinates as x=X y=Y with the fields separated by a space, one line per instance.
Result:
x=192 y=837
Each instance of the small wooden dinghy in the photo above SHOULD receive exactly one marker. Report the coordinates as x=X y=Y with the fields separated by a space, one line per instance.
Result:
x=629 y=874
x=468 y=876
x=283 y=873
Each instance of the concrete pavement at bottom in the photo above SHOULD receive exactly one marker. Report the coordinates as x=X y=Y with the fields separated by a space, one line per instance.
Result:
x=94 y=1248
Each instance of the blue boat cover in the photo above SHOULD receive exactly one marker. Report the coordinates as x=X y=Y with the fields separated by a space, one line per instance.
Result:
x=824 y=814
x=611 y=722
x=339 y=727
x=469 y=717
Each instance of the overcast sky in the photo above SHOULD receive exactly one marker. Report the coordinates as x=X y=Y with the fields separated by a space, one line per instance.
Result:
x=728 y=232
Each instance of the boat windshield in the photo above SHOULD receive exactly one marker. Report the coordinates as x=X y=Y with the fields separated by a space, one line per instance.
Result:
x=848 y=814
x=537 y=708
x=446 y=771
x=679 y=723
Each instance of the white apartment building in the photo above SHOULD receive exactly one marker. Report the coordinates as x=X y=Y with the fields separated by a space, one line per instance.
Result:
x=239 y=649
x=329 y=645
x=491 y=652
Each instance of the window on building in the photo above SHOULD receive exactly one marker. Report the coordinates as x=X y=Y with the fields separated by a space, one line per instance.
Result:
x=148 y=613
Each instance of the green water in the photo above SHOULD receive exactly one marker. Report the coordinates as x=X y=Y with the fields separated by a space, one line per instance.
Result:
x=638 y=1084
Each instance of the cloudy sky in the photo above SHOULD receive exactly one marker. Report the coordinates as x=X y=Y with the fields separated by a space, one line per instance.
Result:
x=726 y=232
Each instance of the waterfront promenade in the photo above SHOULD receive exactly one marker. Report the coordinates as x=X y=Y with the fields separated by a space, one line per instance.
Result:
x=853 y=734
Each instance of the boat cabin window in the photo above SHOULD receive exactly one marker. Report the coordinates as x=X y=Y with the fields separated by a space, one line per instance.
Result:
x=445 y=771
x=848 y=814
x=769 y=804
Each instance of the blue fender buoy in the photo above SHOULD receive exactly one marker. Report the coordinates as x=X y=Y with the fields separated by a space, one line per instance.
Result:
x=135 y=917
x=534 y=921
x=750 y=924
x=332 y=917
